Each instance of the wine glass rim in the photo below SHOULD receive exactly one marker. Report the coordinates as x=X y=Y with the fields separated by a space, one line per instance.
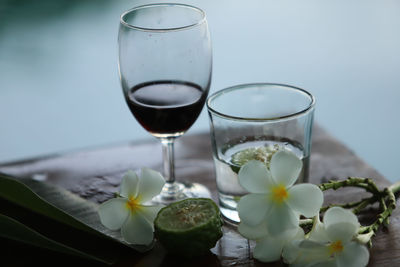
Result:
x=167 y=29
x=301 y=112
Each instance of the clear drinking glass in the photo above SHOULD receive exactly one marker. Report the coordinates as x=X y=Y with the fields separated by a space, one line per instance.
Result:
x=256 y=119
x=165 y=63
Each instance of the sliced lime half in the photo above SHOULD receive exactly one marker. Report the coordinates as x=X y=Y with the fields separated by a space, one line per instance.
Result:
x=189 y=227
x=262 y=154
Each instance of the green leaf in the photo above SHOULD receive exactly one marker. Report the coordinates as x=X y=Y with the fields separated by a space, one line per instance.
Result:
x=14 y=230
x=62 y=217
x=18 y=193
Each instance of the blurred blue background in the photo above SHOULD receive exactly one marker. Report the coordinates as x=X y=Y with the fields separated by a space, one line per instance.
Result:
x=59 y=86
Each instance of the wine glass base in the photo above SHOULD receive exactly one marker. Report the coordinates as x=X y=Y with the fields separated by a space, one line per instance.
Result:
x=179 y=191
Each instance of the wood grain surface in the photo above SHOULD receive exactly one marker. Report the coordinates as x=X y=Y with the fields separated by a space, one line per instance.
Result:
x=95 y=174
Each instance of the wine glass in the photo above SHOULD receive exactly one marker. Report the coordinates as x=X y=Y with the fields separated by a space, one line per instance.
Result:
x=165 y=64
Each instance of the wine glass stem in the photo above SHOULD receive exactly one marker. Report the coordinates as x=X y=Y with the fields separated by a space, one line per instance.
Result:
x=168 y=160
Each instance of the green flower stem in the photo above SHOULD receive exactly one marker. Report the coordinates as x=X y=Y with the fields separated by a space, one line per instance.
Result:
x=306 y=222
x=383 y=217
x=356 y=205
x=395 y=188
x=365 y=183
x=386 y=199
x=364 y=203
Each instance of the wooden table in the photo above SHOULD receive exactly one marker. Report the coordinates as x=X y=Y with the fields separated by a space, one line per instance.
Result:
x=95 y=174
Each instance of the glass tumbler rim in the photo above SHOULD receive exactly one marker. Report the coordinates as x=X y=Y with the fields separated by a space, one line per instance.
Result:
x=200 y=21
x=301 y=112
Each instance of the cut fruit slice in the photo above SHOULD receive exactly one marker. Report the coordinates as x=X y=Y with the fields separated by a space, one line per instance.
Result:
x=262 y=154
x=189 y=227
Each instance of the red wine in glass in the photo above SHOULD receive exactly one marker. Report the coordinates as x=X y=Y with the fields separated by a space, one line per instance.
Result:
x=166 y=107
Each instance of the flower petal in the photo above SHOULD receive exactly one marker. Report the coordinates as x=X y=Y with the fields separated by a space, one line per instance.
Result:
x=353 y=255
x=137 y=230
x=311 y=253
x=129 y=185
x=253 y=208
x=268 y=249
x=285 y=167
x=291 y=249
x=318 y=232
x=341 y=231
x=255 y=177
x=253 y=232
x=281 y=220
x=340 y=224
x=150 y=184
x=150 y=213
x=306 y=199
x=338 y=214
x=328 y=263
x=113 y=213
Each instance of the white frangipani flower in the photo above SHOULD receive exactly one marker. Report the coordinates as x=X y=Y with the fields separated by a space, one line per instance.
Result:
x=331 y=243
x=268 y=248
x=273 y=198
x=130 y=211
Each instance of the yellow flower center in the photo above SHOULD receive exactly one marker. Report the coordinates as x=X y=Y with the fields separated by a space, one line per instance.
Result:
x=279 y=193
x=335 y=247
x=133 y=203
